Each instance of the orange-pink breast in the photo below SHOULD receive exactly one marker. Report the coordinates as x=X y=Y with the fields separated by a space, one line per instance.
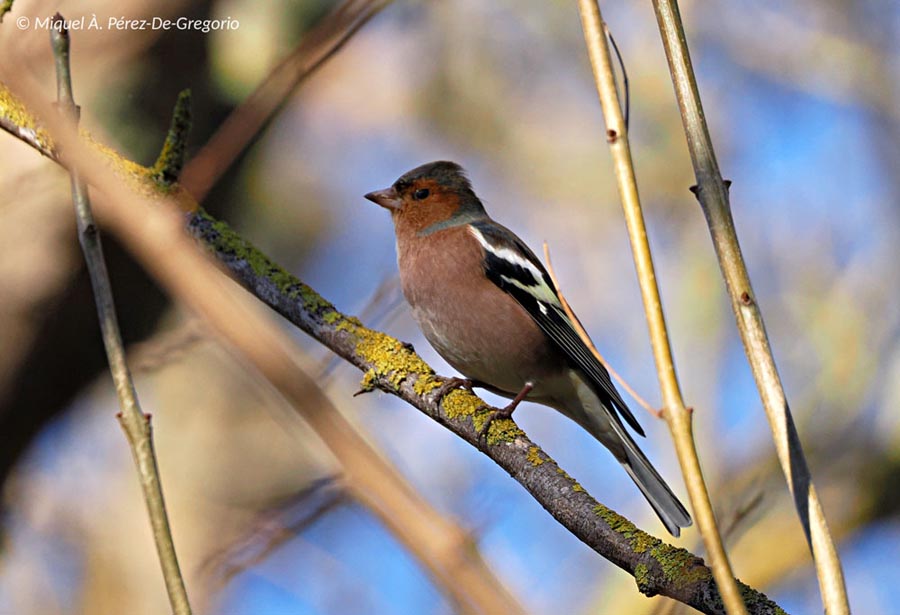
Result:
x=476 y=327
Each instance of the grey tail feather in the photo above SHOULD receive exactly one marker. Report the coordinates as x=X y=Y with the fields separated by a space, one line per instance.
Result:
x=664 y=503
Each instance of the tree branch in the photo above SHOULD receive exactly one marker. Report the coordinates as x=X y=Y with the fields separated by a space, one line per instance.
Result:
x=135 y=423
x=712 y=193
x=150 y=223
x=392 y=366
x=248 y=121
x=443 y=548
x=677 y=416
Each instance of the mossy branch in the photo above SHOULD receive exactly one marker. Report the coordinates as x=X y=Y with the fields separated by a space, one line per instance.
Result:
x=387 y=364
x=712 y=192
x=5 y=7
x=170 y=161
x=392 y=366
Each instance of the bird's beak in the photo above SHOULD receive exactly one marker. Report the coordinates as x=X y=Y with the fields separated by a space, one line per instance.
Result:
x=387 y=198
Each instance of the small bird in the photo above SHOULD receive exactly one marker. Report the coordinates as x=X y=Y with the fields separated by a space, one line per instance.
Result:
x=488 y=306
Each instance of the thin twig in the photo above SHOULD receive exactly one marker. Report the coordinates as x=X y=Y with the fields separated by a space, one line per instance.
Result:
x=677 y=416
x=134 y=422
x=627 y=104
x=152 y=229
x=166 y=347
x=271 y=527
x=246 y=122
x=590 y=344
x=712 y=192
x=446 y=550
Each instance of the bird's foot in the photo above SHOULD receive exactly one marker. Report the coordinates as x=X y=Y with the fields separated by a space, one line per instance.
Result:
x=507 y=412
x=452 y=384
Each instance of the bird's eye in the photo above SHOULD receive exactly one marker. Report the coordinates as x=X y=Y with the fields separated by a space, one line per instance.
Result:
x=421 y=193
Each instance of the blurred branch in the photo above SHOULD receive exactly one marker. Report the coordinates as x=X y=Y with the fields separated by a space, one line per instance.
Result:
x=446 y=551
x=166 y=347
x=391 y=366
x=248 y=120
x=275 y=525
x=677 y=416
x=712 y=193
x=152 y=226
x=828 y=64
x=443 y=548
x=134 y=422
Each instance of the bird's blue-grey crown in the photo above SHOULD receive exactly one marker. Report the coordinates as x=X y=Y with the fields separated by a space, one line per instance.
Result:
x=444 y=172
x=449 y=175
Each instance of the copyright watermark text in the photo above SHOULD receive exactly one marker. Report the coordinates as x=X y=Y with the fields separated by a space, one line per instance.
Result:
x=124 y=23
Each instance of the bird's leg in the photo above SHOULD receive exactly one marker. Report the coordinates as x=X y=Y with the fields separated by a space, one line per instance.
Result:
x=505 y=413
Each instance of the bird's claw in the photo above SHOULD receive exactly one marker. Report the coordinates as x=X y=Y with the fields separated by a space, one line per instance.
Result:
x=507 y=412
x=452 y=384
x=502 y=413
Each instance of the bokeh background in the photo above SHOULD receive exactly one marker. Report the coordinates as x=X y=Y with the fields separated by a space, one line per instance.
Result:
x=803 y=100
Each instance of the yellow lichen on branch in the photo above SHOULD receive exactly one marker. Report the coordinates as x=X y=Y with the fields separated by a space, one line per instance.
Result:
x=16 y=119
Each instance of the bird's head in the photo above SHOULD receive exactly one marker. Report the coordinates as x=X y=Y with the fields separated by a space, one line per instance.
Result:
x=431 y=197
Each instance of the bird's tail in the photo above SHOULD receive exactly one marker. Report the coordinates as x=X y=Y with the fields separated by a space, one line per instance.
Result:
x=588 y=409
x=670 y=510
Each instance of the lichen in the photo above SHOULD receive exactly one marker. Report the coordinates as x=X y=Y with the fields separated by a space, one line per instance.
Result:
x=680 y=567
x=534 y=456
x=575 y=484
x=16 y=114
x=500 y=430
x=425 y=383
x=564 y=474
x=168 y=165
x=331 y=317
x=368 y=381
x=642 y=577
x=640 y=541
x=224 y=240
x=5 y=7
x=138 y=177
x=459 y=403
x=757 y=601
x=391 y=361
x=312 y=300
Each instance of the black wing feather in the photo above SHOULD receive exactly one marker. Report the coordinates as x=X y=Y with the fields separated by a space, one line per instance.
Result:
x=550 y=317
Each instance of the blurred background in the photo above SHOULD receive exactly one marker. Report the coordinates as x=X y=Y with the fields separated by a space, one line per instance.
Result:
x=803 y=100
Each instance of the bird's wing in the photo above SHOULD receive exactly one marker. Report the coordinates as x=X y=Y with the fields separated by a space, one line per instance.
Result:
x=512 y=266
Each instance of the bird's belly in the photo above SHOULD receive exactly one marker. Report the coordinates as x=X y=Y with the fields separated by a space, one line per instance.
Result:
x=492 y=355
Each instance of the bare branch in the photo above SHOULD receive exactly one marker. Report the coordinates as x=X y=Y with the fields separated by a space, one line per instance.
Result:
x=590 y=344
x=712 y=193
x=134 y=422
x=151 y=225
x=677 y=416
x=245 y=122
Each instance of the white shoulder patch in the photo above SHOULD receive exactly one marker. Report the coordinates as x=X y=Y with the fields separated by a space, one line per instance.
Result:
x=541 y=291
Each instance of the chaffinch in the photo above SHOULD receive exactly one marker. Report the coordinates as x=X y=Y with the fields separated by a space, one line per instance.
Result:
x=487 y=305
